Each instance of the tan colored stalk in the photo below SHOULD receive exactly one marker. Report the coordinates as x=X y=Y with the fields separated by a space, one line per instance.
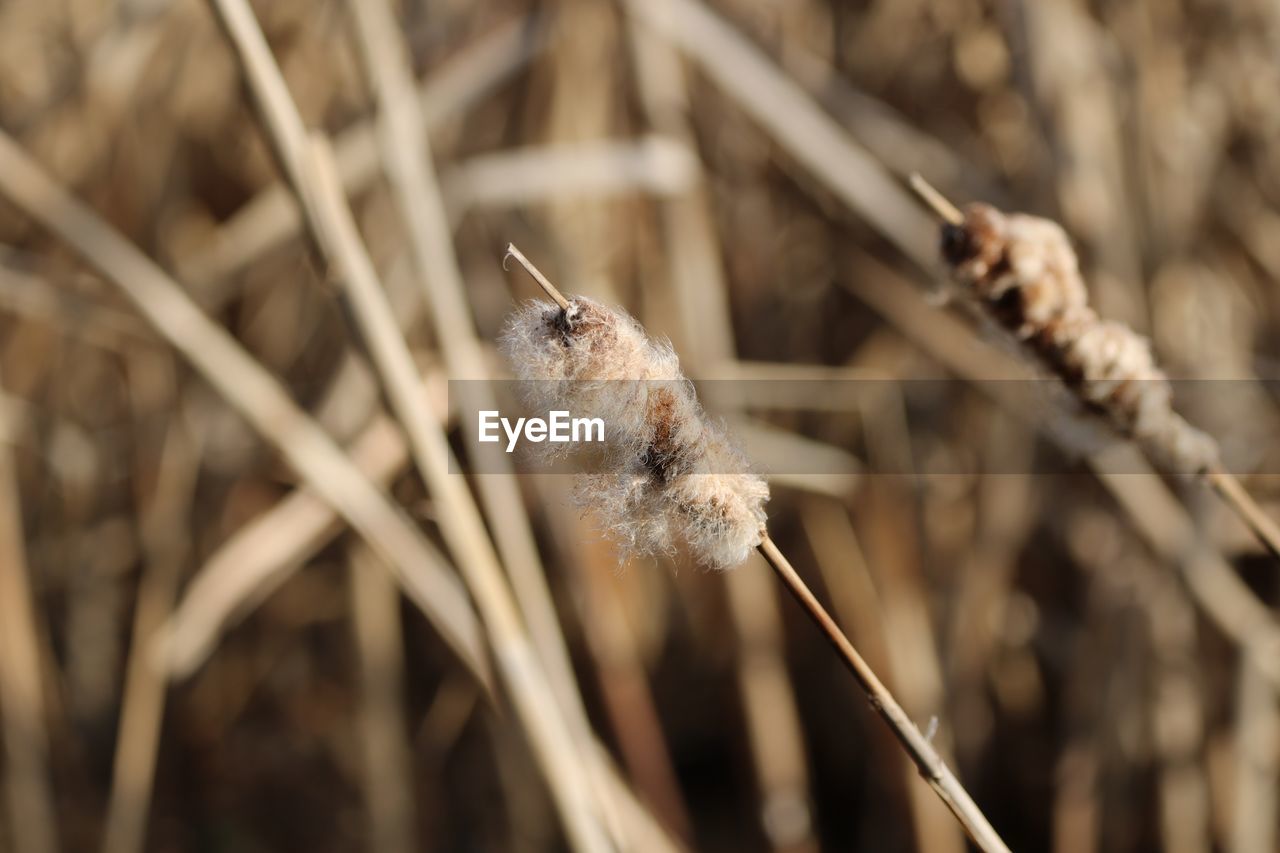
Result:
x=384 y=731
x=165 y=547
x=1175 y=706
x=918 y=748
x=26 y=772
x=270 y=218
x=255 y=560
x=256 y=396
x=310 y=168
x=1257 y=762
x=653 y=165
x=406 y=153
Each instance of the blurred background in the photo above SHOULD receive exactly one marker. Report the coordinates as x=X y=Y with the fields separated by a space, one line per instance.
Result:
x=197 y=655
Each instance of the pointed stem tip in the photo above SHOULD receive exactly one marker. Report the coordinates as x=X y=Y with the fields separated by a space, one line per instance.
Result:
x=556 y=295
x=937 y=202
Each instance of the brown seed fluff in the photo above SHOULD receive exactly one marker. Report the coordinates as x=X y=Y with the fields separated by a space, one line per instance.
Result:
x=669 y=473
x=1024 y=272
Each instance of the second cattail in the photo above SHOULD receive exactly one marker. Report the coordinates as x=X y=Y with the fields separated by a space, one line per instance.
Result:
x=1025 y=274
x=1024 y=271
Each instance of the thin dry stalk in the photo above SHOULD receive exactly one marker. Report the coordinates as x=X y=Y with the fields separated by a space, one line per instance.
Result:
x=891 y=524
x=772 y=715
x=309 y=165
x=257 y=396
x=688 y=228
x=1242 y=504
x=1176 y=713
x=926 y=758
x=406 y=153
x=256 y=559
x=789 y=116
x=1077 y=811
x=165 y=544
x=584 y=100
x=847 y=577
x=547 y=287
x=606 y=613
x=271 y=217
x=653 y=165
x=1008 y=510
x=27 y=783
x=384 y=738
x=1092 y=130
x=1257 y=760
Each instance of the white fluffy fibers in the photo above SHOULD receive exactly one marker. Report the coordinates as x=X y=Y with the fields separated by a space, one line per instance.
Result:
x=669 y=473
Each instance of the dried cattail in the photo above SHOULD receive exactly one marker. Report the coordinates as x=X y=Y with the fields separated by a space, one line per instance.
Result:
x=669 y=473
x=1024 y=272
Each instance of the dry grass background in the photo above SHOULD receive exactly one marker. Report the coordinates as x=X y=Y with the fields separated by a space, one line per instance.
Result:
x=197 y=653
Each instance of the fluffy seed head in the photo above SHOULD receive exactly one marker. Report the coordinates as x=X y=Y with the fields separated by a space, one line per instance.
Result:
x=1024 y=272
x=670 y=474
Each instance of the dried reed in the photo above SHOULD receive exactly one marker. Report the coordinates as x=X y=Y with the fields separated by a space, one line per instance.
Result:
x=670 y=473
x=406 y=153
x=310 y=167
x=23 y=736
x=1023 y=271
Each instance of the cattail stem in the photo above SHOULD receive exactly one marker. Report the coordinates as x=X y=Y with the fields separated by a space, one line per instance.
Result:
x=1231 y=491
x=926 y=758
x=937 y=202
x=551 y=289
x=1213 y=474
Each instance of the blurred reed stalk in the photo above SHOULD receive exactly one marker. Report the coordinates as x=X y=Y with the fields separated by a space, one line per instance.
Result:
x=258 y=397
x=261 y=555
x=32 y=816
x=1257 y=762
x=164 y=517
x=407 y=158
x=384 y=731
x=704 y=329
x=585 y=807
x=608 y=615
x=270 y=218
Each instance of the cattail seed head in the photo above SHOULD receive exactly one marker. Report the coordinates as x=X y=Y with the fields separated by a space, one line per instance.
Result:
x=1024 y=272
x=669 y=474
